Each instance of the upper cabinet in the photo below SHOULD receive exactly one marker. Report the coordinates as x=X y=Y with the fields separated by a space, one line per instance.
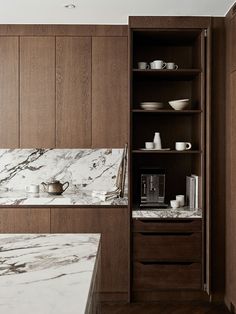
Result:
x=109 y=92
x=37 y=92
x=64 y=91
x=9 y=126
x=73 y=92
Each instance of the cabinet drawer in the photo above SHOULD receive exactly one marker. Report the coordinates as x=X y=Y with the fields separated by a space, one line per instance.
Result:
x=167 y=246
x=167 y=225
x=166 y=276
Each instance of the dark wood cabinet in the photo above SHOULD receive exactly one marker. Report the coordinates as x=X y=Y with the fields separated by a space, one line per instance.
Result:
x=112 y=223
x=109 y=92
x=9 y=92
x=73 y=92
x=170 y=255
x=24 y=220
x=37 y=92
x=166 y=256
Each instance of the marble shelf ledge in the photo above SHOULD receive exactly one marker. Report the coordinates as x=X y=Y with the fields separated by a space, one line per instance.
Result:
x=182 y=212
x=48 y=273
x=85 y=198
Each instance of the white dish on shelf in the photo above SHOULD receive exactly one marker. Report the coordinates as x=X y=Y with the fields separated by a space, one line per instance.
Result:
x=151 y=105
x=154 y=149
x=179 y=104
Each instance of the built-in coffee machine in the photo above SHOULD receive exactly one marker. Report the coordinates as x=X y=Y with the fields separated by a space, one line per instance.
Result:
x=152 y=188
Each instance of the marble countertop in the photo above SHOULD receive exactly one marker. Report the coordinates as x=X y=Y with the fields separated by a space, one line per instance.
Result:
x=182 y=212
x=21 y=198
x=46 y=273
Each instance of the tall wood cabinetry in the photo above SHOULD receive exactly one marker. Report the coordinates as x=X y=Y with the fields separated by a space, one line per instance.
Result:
x=9 y=81
x=73 y=92
x=109 y=91
x=179 y=272
x=64 y=91
x=37 y=92
x=231 y=160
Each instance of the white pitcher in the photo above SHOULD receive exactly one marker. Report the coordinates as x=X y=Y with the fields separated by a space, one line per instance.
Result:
x=157 y=140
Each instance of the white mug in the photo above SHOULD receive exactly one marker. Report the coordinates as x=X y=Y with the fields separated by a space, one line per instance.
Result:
x=158 y=65
x=32 y=188
x=171 y=66
x=180 y=199
x=182 y=146
x=143 y=65
x=174 y=204
x=149 y=145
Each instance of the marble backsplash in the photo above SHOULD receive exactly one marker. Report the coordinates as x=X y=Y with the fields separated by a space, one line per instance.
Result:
x=85 y=169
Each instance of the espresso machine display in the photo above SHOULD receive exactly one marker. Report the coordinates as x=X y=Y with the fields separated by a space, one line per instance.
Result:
x=153 y=188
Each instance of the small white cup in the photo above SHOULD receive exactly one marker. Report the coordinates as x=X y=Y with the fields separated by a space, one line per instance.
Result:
x=158 y=65
x=149 y=145
x=143 y=65
x=171 y=66
x=32 y=188
x=183 y=146
x=181 y=200
x=174 y=204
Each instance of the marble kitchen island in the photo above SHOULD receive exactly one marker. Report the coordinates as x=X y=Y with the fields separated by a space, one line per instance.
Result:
x=49 y=273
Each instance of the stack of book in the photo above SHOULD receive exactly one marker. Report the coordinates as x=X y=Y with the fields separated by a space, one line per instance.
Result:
x=192 y=191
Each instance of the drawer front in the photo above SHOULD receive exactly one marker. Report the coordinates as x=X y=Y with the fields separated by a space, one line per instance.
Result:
x=167 y=225
x=167 y=246
x=166 y=276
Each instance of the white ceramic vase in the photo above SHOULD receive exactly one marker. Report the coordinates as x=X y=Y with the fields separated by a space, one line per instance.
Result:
x=157 y=140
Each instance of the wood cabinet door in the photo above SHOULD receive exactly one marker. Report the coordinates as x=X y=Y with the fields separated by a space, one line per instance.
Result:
x=73 y=92
x=112 y=224
x=37 y=92
x=9 y=92
x=24 y=220
x=109 y=92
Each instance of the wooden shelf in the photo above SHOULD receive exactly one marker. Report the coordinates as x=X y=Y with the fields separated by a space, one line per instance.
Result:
x=185 y=152
x=169 y=74
x=168 y=111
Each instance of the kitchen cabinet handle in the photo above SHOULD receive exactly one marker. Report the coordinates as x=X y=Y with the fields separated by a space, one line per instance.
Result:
x=182 y=234
x=165 y=263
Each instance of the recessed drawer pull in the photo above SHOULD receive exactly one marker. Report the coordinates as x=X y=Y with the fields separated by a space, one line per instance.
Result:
x=165 y=263
x=166 y=234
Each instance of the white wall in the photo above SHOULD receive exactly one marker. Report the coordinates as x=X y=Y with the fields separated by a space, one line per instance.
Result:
x=103 y=11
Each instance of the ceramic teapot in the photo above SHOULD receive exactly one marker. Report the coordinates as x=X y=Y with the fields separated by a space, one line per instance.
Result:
x=55 y=187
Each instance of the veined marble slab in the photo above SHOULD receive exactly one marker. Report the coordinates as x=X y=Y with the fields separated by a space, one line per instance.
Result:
x=85 y=169
x=167 y=213
x=22 y=198
x=46 y=273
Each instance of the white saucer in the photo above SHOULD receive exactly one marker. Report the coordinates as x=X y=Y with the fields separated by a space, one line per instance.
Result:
x=154 y=149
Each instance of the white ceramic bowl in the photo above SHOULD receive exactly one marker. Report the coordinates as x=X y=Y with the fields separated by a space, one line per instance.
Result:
x=179 y=104
x=151 y=105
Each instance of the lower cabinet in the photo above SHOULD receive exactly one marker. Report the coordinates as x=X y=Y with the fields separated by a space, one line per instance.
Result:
x=24 y=220
x=167 y=257
x=112 y=223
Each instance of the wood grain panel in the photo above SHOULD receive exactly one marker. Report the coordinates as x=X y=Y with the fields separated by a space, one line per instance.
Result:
x=109 y=92
x=166 y=276
x=9 y=92
x=112 y=224
x=37 y=92
x=24 y=220
x=73 y=92
x=62 y=30
x=169 y=22
x=233 y=43
x=167 y=247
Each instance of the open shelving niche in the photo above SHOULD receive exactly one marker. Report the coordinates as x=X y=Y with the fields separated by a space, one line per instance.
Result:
x=186 y=49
